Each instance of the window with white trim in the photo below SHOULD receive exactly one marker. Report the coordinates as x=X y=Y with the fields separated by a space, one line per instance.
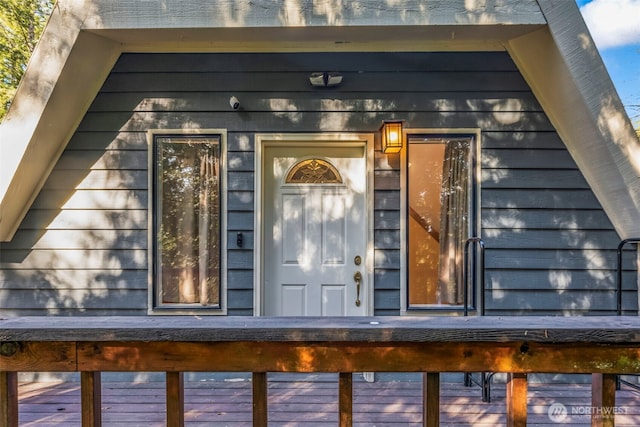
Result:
x=186 y=221
x=440 y=218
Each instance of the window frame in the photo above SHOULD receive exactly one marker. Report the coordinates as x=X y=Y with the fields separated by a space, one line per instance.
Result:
x=153 y=306
x=474 y=215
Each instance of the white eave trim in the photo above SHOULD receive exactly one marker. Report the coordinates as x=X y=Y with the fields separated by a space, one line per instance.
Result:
x=567 y=75
x=85 y=37
x=65 y=72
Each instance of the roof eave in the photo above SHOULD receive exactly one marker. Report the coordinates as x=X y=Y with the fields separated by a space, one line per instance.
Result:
x=85 y=37
x=565 y=71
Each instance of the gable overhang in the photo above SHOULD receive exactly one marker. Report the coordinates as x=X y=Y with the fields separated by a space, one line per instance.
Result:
x=84 y=39
x=565 y=71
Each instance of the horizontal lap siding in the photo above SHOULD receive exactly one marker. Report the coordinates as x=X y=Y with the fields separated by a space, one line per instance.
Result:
x=82 y=249
x=550 y=247
x=240 y=219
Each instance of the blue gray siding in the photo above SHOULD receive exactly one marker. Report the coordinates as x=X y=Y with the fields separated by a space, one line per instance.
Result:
x=550 y=247
x=82 y=249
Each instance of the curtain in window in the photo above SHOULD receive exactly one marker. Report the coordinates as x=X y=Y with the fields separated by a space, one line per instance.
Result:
x=454 y=221
x=207 y=233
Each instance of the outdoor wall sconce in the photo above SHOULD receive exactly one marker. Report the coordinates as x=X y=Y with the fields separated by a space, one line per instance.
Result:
x=325 y=79
x=391 y=136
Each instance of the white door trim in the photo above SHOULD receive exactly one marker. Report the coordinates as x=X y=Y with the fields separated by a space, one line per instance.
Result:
x=288 y=139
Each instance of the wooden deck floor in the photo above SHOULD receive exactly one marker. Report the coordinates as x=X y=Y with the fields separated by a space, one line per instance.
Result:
x=310 y=402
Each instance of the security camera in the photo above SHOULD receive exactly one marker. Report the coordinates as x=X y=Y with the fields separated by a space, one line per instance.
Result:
x=234 y=102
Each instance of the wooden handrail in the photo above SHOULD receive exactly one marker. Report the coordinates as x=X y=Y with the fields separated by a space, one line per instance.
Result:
x=603 y=346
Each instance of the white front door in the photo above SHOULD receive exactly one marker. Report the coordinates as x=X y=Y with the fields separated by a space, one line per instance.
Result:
x=315 y=230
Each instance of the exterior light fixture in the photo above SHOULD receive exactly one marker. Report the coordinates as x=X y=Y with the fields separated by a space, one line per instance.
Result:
x=391 y=136
x=325 y=79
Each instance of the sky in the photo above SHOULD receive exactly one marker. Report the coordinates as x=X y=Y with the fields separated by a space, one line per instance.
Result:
x=615 y=27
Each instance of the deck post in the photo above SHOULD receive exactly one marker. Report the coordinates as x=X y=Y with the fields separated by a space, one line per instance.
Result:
x=431 y=399
x=603 y=400
x=8 y=399
x=517 y=400
x=260 y=395
x=345 y=399
x=175 y=399
x=91 y=399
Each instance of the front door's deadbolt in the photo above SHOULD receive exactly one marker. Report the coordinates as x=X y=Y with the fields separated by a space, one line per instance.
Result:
x=357 y=260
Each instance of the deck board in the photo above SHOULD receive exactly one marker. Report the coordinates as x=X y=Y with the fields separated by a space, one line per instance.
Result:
x=309 y=402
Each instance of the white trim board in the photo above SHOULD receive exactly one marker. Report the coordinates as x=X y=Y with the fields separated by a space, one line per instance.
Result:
x=222 y=133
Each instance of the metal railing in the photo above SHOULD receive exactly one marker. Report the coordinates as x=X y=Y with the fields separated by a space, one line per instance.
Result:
x=484 y=382
x=470 y=264
x=619 y=253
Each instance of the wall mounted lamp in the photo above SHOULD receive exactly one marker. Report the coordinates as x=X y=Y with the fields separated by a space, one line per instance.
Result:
x=391 y=136
x=325 y=79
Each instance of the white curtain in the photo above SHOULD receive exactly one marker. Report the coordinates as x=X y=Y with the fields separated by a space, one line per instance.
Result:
x=454 y=221
x=206 y=236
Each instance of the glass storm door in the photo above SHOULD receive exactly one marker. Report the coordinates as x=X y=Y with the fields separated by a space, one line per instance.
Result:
x=315 y=231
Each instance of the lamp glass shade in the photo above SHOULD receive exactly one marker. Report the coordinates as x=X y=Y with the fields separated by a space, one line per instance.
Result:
x=391 y=137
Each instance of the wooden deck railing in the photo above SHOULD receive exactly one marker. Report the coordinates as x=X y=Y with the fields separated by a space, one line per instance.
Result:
x=602 y=346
